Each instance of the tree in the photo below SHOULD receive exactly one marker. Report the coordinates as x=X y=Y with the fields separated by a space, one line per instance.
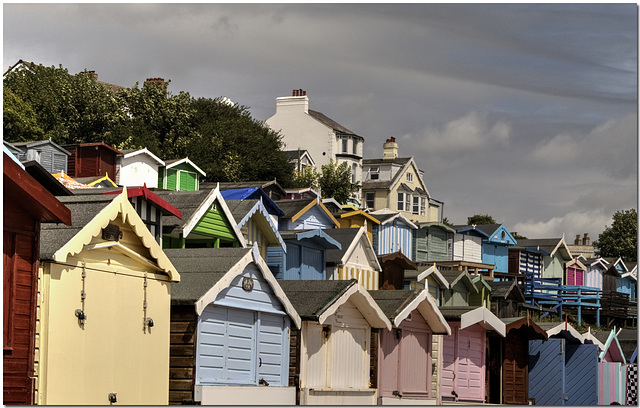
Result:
x=621 y=238
x=335 y=181
x=20 y=123
x=480 y=220
x=230 y=145
x=446 y=222
x=307 y=177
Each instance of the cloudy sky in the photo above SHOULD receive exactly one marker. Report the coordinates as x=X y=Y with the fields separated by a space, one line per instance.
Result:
x=525 y=112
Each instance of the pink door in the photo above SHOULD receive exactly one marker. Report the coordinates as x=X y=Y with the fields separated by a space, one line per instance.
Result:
x=471 y=364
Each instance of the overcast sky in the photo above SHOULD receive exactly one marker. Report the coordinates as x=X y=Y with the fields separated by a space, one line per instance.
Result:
x=525 y=112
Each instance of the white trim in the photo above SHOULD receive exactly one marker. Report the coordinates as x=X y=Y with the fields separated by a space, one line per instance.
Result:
x=204 y=207
x=593 y=339
x=368 y=247
x=186 y=160
x=397 y=215
x=403 y=170
x=566 y=327
x=144 y=150
x=259 y=207
x=429 y=312
x=363 y=302
x=484 y=318
x=251 y=256
x=433 y=270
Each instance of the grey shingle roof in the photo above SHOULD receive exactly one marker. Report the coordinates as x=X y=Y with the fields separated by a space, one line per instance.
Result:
x=329 y=122
x=367 y=185
x=200 y=269
x=398 y=160
x=292 y=207
x=240 y=208
x=503 y=289
x=345 y=237
x=185 y=201
x=311 y=297
x=383 y=217
x=454 y=313
x=546 y=244
x=83 y=209
x=392 y=302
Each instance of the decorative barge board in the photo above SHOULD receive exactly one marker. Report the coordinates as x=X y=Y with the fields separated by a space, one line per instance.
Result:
x=26 y=205
x=506 y=298
x=563 y=370
x=230 y=333
x=305 y=214
x=358 y=219
x=393 y=270
x=463 y=364
x=206 y=221
x=515 y=360
x=332 y=349
x=574 y=272
x=305 y=257
x=256 y=224
x=356 y=259
x=404 y=366
x=393 y=233
x=104 y=308
x=180 y=175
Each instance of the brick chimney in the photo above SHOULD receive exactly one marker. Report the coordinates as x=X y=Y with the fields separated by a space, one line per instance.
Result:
x=586 y=240
x=298 y=101
x=390 y=149
x=578 y=240
x=155 y=80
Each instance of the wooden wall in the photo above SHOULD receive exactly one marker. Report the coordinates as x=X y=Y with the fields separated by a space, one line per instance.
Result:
x=182 y=353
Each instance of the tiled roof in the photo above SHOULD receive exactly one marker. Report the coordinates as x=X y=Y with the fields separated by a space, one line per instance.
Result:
x=392 y=302
x=311 y=297
x=345 y=237
x=330 y=122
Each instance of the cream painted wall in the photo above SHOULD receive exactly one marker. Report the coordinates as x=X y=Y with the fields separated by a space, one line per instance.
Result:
x=136 y=171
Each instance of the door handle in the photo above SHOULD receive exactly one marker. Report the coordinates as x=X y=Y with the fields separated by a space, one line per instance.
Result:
x=259 y=362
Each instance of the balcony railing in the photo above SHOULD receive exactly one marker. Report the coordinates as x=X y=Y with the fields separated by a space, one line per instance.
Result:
x=552 y=293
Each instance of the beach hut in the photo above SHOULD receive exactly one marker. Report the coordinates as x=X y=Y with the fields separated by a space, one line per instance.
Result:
x=355 y=259
x=464 y=352
x=305 y=214
x=393 y=233
x=305 y=257
x=404 y=354
x=612 y=372
x=26 y=205
x=331 y=354
x=506 y=298
x=230 y=330
x=563 y=370
x=394 y=266
x=180 y=175
x=103 y=309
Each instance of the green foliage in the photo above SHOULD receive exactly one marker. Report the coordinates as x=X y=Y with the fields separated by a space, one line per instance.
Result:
x=517 y=236
x=232 y=146
x=480 y=220
x=308 y=177
x=335 y=181
x=446 y=222
x=19 y=119
x=621 y=238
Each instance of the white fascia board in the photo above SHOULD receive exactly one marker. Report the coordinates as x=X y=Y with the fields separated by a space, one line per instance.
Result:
x=186 y=160
x=566 y=327
x=368 y=247
x=147 y=152
x=484 y=318
x=365 y=305
x=428 y=310
x=433 y=270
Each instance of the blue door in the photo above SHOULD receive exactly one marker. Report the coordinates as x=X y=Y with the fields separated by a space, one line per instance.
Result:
x=312 y=266
x=581 y=373
x=547 y=371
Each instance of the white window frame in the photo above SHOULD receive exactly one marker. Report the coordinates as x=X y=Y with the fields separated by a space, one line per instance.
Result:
x=416 y=205
x=409 y=177
x=374 y=171
x=371 y=194
x=345 y=144
x=401 y=201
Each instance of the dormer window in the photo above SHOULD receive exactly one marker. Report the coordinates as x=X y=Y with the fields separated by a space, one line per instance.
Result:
x=409 y=177
x=374 y=173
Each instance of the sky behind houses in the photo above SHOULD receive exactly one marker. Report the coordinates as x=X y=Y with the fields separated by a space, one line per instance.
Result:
x=525 y=112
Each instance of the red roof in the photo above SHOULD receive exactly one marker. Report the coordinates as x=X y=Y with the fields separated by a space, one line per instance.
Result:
x=151 y=196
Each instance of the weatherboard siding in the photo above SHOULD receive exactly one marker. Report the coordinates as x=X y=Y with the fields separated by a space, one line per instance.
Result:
x=463 y=363
x=467 y=248
x=390 y=239
x=215 y=224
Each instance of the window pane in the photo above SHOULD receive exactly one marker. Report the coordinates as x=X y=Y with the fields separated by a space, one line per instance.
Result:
x=400 y=201
x=370 y=199
x=416 y=205
x=345 y=145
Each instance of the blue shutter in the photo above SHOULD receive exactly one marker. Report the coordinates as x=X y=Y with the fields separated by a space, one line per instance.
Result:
x=546 y=371
x=273 y=350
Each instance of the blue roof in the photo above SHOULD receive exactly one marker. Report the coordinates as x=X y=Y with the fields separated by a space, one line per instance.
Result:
x=254 y=193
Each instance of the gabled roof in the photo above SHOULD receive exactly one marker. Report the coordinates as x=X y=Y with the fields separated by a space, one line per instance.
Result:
x=426 y=269
x=563 y=330
x=32 y=144
x=31 y=195
x=165 y=207
x=436 y=224
x=194 y=205
x=361 y=213
x=316 y=236
x=294 y=209
x=386 y=216
x=89 y=215
x=71 y=183
x=293 y=155
x=479 y=281
x=493 y=232
x=172 y=163
x=45 y=178
x=243 y=210
x=548 y=245
x=533 y=330
x=590 y=338
x=349 y=239
x=504 y=289
x=398 y=305
x=397 y=177
x=270 y=187
x=470 y=315
x=399 y=259
x=577 y=263
x=94 y=144
x=612 y=346
x=453 y=277
x=98 y=181
x=335 y=126
x=470 y=229
x=135 y=152
x=208 y=271
x=316 y=300
x=253 y=193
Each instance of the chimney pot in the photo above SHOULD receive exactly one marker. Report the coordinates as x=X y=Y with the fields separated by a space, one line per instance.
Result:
x=390 y=149
x=586 y=240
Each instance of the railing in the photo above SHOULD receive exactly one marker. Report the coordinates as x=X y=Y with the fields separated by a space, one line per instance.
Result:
x=551 y=292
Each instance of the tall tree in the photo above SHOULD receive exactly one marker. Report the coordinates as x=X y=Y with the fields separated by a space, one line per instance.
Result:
x=621 y=238
x=335 y=181
x=230 y=145
x=307 y=177
x=480 y=220
x=19 y=123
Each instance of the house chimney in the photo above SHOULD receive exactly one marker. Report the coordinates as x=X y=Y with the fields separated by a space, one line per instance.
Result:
x=586 y=240
x=155 y=80
x=93 y=75
x=578 y=240
x=390 y=149
x=298 y=101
